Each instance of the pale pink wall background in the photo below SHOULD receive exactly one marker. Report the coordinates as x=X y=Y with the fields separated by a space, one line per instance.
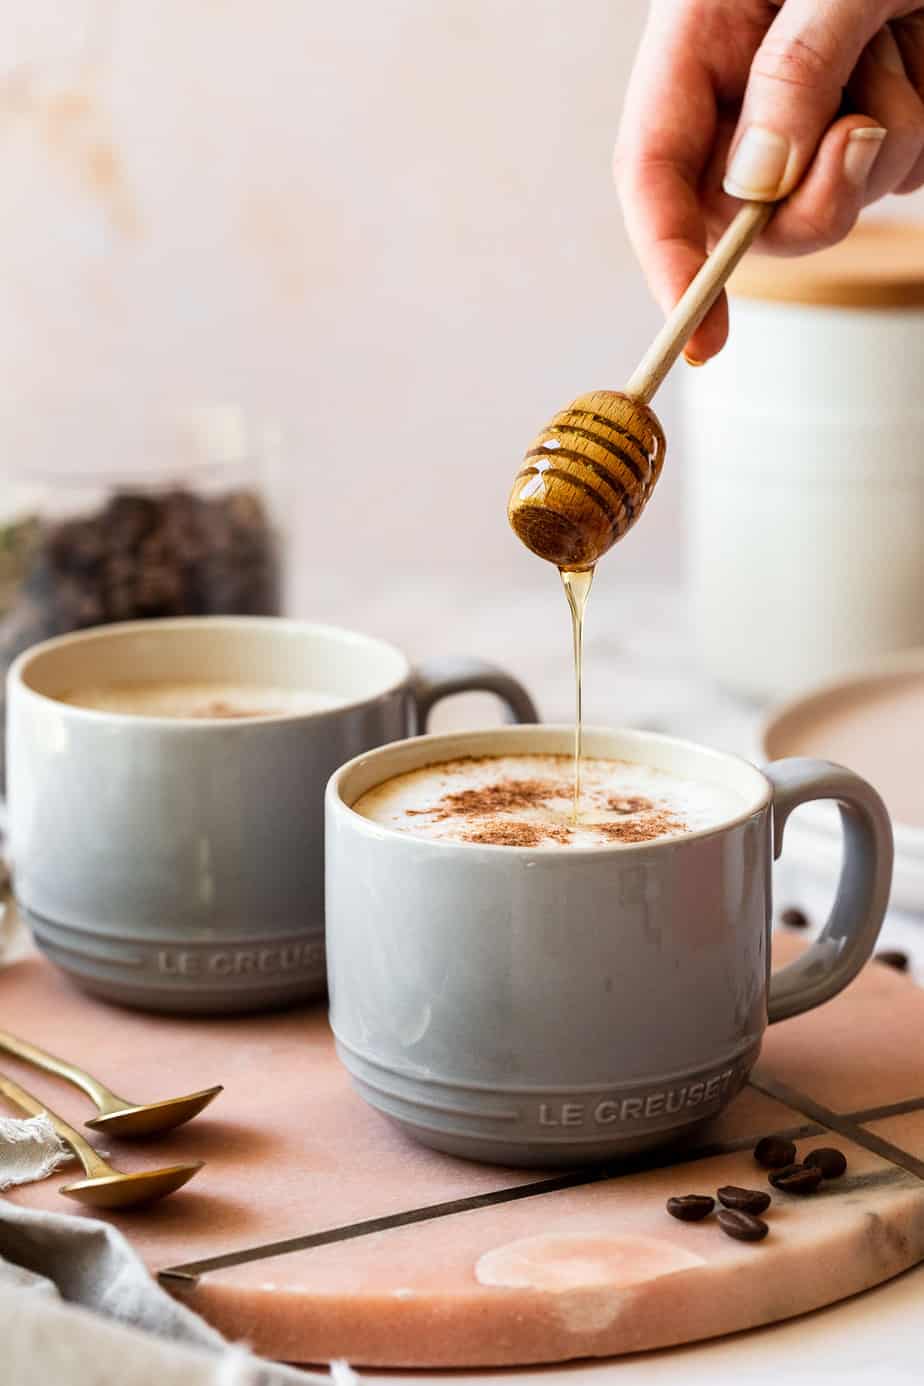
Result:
x=386 y=225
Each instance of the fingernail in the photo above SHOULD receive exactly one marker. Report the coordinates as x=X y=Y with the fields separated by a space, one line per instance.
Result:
x=861 y=152
x=758 y=165
x=887 y=52
x=692 y=360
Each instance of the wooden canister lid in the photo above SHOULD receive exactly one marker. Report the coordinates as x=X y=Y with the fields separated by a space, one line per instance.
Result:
x=879 y=265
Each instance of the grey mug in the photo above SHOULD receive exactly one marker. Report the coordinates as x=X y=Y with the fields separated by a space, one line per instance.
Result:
x=565 y=1005
x=177 y=864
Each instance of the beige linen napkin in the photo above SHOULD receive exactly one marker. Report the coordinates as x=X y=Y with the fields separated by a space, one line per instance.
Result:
x=78 y=1306
x=29 y=1150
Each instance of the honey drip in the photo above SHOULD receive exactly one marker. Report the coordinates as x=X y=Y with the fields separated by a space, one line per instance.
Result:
x=577 y=585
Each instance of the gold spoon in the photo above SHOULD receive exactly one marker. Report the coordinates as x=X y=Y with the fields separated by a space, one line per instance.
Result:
x=591 y=471
x=104 y=1187
x=117 y=1117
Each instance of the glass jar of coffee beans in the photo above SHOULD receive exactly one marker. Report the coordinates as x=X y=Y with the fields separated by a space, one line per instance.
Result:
x=195 y=534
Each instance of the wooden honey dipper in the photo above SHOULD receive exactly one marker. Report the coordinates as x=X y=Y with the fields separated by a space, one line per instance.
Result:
x=590 y=472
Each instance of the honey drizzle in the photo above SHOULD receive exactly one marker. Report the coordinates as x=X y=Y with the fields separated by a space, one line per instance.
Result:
x=577 y=585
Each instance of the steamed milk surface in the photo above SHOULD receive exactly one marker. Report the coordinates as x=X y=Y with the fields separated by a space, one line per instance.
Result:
x=526 y=801
x=232 y=700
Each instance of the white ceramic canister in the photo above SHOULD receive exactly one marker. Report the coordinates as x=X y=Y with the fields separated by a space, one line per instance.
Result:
x=805 y=440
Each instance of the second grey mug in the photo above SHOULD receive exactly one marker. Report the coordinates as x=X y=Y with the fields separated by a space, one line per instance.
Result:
x=178 y=864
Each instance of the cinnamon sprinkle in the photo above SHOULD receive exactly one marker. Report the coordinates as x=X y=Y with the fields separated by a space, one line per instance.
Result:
x=507 y=796
x=485 y=807
x=657 y=824
x=517 y=833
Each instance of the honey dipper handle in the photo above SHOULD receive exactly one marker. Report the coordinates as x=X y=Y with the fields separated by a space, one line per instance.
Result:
x=698 y=299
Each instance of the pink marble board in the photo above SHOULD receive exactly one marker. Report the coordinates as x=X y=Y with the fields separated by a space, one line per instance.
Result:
x=592 y=1269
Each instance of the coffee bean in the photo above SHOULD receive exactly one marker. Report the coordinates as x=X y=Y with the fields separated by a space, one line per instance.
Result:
x=744 y=1200
x=893 y=957
x=784 y=1172
x=800 y=1181
x=794 y=919
x=831 y=1162
x=742 y=1226
x=690 y=1207
x=773 y=1152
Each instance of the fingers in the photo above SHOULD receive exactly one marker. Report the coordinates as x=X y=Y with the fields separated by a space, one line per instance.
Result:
x=909 y=35
x=826 y=204
x=882 y=87
x=662 y=149
x=914 y=180
x=675 y=144
x=668 y=229
x=794 y=91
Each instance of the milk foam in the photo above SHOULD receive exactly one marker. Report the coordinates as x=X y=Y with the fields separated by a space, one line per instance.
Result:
x=526 y=801
x=199 y=700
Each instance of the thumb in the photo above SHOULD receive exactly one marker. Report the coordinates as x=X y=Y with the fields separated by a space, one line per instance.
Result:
x=794 y=92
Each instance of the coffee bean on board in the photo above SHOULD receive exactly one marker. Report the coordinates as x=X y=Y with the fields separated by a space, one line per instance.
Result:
x=784 y=1172
x=742 y=1226
x=894 y=957
x=831 y=1162
x=794 y=919
x=745 y=1200
x=800 y=1181
x=773 y=1152
x=690 y=1207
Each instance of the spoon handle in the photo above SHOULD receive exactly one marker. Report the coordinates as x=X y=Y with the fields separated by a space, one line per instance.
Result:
x=49 y=1063
x=94 y=1166
x=698 y=299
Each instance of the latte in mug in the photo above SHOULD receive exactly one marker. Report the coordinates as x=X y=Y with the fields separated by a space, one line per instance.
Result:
x=166 y=797
x=199 y=700
x=527 y=801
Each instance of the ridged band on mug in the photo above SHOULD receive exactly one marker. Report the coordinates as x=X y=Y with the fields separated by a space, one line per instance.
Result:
x=185 y=974
x=620 y=1116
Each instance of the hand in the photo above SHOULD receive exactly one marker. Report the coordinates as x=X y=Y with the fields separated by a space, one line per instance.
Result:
x=735 y=99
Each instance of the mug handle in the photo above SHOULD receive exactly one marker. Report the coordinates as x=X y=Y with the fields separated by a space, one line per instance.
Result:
x=850 y=933
x=440 y=678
